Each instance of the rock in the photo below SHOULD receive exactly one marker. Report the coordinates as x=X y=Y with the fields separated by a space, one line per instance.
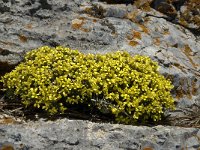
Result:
x=185 y=13
x=168 y=9
x=74 y=134
x=100 y=27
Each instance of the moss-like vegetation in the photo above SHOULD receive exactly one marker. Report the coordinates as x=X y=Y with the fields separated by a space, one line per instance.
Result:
x=130 y=88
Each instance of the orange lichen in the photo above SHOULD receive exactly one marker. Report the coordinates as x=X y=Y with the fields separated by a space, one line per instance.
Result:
x=136 y=34
x=81 y=18
x=8 y=120
x=7 y=147
x=147 y=148
x=132 y=16
x=156 y=41
x=133 y=43
x=144 y=29
x=29 y=26
x=23 y=38
x=85 y=29
x=77 y=23
x=94 y=20
x=187 y=51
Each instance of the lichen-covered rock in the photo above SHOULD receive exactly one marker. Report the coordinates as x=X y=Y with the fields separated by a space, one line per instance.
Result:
x=99 y=27
x=186 y=13
x=73 y=134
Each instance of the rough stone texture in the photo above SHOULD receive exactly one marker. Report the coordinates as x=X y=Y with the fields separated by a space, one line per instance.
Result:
x=85 y=135
x=184 y=12
x=98 y=27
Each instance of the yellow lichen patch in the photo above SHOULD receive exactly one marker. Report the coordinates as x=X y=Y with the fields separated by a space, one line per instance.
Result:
x=77 y=23
x=133 y=43
x=156 y=41
x=23 y=38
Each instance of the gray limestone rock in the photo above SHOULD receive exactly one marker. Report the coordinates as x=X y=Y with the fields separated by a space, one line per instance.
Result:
x=74 y=134
x=92 y=26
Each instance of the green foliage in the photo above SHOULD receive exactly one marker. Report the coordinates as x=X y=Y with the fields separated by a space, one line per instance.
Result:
x=128 y=87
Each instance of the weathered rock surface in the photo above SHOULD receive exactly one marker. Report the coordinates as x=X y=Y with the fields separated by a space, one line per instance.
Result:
x=85 y=135
x=185 y=13
x=98 y=27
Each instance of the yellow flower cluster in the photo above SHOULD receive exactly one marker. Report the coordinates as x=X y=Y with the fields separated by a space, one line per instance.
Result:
x=128 y=87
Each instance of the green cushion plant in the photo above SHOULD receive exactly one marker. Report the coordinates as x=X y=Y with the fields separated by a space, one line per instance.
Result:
x=130 y=88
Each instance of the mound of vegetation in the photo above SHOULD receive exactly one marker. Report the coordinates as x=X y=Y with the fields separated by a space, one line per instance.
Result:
x=54 y=79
